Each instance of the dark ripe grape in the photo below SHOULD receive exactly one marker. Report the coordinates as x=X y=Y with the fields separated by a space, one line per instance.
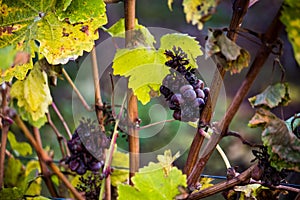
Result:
x=181 y=69
x=200 y=93
x=95 y=166
x=74 y=164
x=198 y=85
x=198 y=102
x=206 y=91
x=81 y=169
x=165 y=91
x=190 y=95
x=177 y=115
x=174 y=106
x=191 y=78
x=185 y=88
x=177 y=99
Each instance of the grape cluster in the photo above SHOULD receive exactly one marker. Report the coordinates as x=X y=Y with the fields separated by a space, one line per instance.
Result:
x=87 y=148
x=268 y=175
x=182 y=89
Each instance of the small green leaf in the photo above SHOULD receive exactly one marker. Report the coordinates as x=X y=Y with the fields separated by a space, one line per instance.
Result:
x=272 y=96
x=290 y=17
x=33 y=96
x=21 y=148
x=187 y=43
x=152 y=183
x=167 y=159
x=7 y=57
x=120 y=162
x=283 y=145
x=199 y=11
x=205 y=182
x=14 y=173
x=141 y=35
x=11 y=193
x=145 y=69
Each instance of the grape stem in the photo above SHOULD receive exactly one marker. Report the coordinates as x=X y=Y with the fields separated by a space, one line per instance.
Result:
x=61 y=118
x=81 y=98
x=61 y=140
x=155 y=124
x=240 y=8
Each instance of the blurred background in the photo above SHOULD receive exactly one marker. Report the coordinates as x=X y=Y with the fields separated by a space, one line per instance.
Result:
x=177 y=135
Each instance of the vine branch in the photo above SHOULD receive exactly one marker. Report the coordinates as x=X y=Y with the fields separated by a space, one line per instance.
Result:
x=240 y=8
x=269 y=37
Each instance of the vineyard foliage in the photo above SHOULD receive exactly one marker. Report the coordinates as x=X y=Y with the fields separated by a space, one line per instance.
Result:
x=37 y=38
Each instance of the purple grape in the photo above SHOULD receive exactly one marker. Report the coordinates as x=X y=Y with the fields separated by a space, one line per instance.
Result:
x=177 y=115
x=198 y=84
x=206 y=91
x=185 y=87
x=95 y=166
x=190 y=95
x=74 y=164
x=198 y=102
x=177 y=99
x=200 y=93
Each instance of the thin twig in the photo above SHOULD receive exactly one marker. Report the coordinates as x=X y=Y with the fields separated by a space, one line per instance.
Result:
x=45 y=157
x=243 y=140
x=5 y=128
x=278 y=187
x=61 y=140
x=108 y=159
x=155 y=124
x=44 y=169
x=240 y=8
x=61 y=118
x=82 y=100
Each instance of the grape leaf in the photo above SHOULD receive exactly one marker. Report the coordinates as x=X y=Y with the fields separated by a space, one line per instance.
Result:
x=14 y=173
x=120 y=160
x=290 y=17
x=21 y=148
x=205 y=182
x=33 y=96
x=283 y=145
x=151 y=182
x=145 y=67
x=62 y=35
x=272 y=96
x=252 y=191
x=167 y=159
x=7 y=57
x=199 y=11
x=142 y=36
x=18 y=71
x=227 y=53
x=187 y=43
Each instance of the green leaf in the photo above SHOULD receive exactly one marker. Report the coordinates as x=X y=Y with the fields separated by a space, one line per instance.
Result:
x=14 y=173
x=187 y=43
x=205 y=182
x=11 y=193
x=227 y=53
x=22 y=148
x=272 y=96
x=151 y=182
x=18 y=71
x=7 y=57
x=283 y=145
x=145 y=69
x=33 y=96
x=62 y=35
x=167 y=159
x=120 y=162
x=199 y=11
x=290 y=17
x=141 y=35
